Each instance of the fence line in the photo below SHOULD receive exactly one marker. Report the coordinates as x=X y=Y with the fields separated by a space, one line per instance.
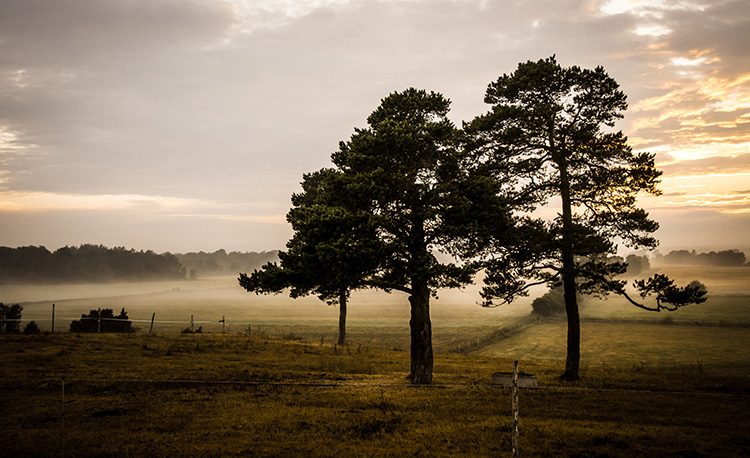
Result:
x=69 y=381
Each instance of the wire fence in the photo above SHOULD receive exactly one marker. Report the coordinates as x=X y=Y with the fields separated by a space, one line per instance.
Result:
x=96 y=315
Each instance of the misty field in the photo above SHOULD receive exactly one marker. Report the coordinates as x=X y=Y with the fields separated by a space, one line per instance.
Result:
x=652 y=384
x=374 y=317
x=715 y=333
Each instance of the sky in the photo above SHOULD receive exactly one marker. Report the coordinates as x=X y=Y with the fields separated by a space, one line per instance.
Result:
x=186 y=125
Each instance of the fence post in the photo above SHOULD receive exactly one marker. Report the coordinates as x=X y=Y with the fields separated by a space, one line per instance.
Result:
x=192 y=327
x=515 y=409
x=2 y=322
x=223 y=323
x=152 y=323
x=99 y=321
x=62 y=382
x=53 y=318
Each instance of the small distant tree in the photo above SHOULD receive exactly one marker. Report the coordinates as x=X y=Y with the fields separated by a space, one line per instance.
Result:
x=106 y=321
x=12 y=314
x=333 y=251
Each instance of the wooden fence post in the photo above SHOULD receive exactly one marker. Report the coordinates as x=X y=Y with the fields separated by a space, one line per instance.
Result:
x=99 y=321
x=223 y=323
x=53 y=318
x=192 y=327
x=515 y=409
x=152 y=323
x=62 y=382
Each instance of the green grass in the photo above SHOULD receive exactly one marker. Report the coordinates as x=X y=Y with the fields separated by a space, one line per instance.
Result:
x=237 y=395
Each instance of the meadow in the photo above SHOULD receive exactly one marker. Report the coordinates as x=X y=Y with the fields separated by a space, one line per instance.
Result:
x=676 y=387
x=214 y=395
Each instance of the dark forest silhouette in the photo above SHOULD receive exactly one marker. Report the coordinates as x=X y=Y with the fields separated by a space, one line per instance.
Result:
x=97 y=263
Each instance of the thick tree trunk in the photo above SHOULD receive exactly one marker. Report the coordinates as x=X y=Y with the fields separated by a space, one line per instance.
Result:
x=342 y=317
x=421 y=334
x=572 y=361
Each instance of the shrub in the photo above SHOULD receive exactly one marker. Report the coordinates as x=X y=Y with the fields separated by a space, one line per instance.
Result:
x=552 y=303
x=31 y=328
x=108 y=322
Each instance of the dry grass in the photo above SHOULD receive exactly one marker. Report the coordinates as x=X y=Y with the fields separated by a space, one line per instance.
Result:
x=234 y=395
x=647 y=390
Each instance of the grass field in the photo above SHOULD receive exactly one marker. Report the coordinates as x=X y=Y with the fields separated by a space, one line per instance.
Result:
x=236 y=395
x=715 y=334
x=649 y=387
x=633 y=345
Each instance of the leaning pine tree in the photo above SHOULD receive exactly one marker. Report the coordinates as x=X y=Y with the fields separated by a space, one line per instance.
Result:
x=545 y=130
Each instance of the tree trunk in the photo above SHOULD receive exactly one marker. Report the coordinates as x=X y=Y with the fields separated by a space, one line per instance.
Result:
x=342 y=317
x=421 y=334
x=572 y=361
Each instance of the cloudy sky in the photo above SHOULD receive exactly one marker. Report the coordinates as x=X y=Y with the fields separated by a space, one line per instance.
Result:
x=185 y=125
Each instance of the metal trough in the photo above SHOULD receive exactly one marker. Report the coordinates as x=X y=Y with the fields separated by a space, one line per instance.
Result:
x=506 y=379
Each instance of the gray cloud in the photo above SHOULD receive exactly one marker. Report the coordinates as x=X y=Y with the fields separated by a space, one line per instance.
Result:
x=232 y=103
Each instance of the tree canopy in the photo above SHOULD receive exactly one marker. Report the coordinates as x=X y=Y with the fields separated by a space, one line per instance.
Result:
x=85 y=263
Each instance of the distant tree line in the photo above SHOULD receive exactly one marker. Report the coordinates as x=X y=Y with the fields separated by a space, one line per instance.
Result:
x=202 y=264
x=86 y=263
x=725 y=258
x=635 y=263
x=97 y=263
